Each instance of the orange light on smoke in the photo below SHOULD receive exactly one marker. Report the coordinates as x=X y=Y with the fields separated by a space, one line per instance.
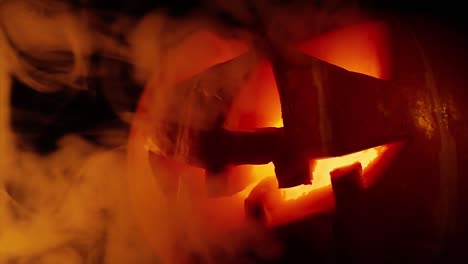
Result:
x=362 y=48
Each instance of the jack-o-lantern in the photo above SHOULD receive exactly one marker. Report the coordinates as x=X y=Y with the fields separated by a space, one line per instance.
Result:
x=256 y=137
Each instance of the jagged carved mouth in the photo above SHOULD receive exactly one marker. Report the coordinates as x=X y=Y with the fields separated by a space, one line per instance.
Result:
x=260 y=195
x=272 y=205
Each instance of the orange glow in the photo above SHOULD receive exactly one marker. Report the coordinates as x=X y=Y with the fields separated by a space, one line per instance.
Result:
x=286 y=205
x=321 y=171
x=323 y=167
x=248 y=111
x=205 y=48
x=163 y=217
x=360 y=48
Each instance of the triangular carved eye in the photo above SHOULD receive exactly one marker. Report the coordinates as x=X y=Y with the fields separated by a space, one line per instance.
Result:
x=362 y=48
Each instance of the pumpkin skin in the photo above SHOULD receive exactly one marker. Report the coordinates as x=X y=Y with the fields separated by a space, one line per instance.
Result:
x=393 y=219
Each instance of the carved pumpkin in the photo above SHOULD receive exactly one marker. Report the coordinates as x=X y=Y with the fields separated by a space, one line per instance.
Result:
x=202 y=142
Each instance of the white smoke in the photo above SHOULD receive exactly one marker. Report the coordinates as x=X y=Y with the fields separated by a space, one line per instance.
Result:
x=71 y=206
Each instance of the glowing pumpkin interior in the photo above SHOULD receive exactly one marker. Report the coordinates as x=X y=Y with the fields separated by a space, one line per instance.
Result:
x=361 y=48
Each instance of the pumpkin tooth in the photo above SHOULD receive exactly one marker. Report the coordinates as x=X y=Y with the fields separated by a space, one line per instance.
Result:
x=354 y=169
x=346 y=178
